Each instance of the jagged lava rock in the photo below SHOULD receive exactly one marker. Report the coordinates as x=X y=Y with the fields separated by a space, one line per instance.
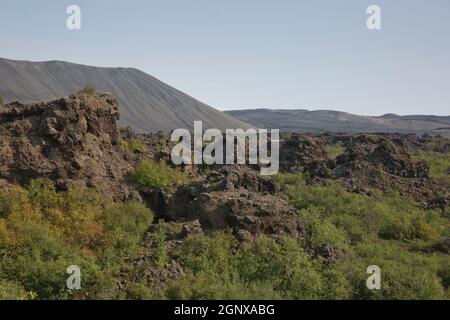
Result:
x=235 y=197
x=68 y=139
x=303 y=152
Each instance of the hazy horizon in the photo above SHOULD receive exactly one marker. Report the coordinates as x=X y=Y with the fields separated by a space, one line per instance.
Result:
x=312 y=55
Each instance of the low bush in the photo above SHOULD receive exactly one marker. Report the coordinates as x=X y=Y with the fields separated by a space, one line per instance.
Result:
x=154 y=174
x=13 y=291
x=405 y=275
x=133 y=145
x=334 y=150
x=265 y=269
x=42 y=232
x=439 y=163
x=385 y=230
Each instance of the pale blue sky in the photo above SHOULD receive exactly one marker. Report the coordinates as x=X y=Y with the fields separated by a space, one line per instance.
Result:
x=233 y=54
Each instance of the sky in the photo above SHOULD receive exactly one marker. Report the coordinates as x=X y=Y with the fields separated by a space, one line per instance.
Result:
x=239 y=54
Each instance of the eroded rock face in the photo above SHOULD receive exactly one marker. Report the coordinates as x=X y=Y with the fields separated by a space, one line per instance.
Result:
x=384 y=154
x=68 y=139
x=239 y=198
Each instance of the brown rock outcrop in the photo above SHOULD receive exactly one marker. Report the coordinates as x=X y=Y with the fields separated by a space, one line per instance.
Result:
x=303 y=152
x=68 y=139
x=235 y=197
x=384 y=154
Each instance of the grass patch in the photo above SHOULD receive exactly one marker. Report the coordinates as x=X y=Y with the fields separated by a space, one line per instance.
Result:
x=133 y=145
x=334 y=150
x=153 y=174
x=439 y=163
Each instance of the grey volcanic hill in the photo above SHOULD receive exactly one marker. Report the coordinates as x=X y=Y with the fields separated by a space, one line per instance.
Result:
x=335 y=121
x=145 y=103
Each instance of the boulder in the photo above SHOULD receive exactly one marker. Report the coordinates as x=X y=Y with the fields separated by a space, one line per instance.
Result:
x=239 y=198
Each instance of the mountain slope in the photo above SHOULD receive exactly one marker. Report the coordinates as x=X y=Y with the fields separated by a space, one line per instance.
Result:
x=146 y=104
x=326 y=120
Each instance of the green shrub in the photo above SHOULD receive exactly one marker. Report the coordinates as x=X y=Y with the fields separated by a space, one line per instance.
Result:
x=403 y=219
x=206 y=286
x=42 y=232
x=361 y=217
x=153 y=174
x=124 y=227
x=444 y=271
x=158 y=236
x=323 y=231
x=285 y=265
x=439 y=163
x=334 y=150
x=213 y=254
x=404 y=275
x=133 y=145
x=385 y=230
x=2 y=100
x=13 y=291
x=221 y=268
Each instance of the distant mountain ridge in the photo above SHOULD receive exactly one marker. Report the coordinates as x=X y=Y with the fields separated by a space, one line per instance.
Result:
x=146 y=104
x=301 y=120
